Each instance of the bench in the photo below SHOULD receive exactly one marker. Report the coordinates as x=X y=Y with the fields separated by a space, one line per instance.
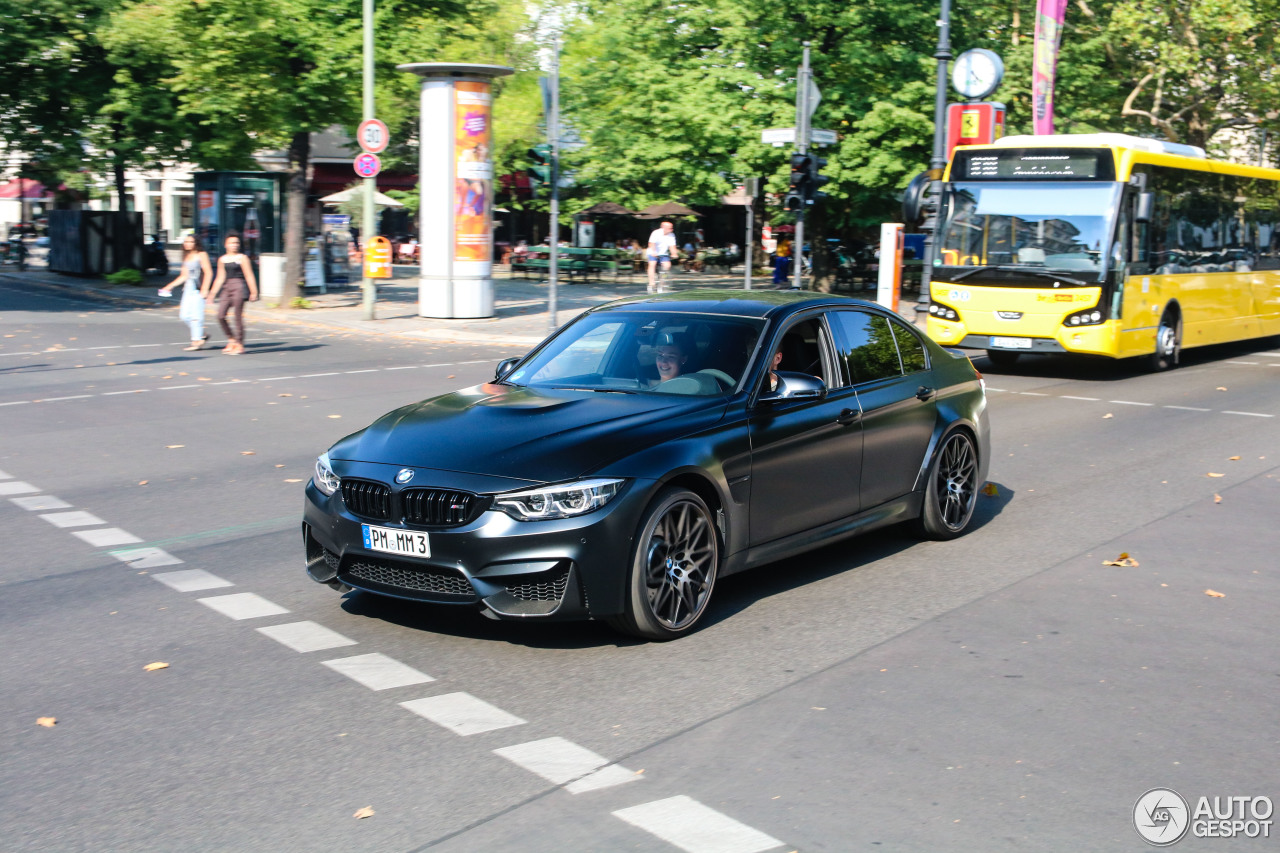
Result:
x=572 y=262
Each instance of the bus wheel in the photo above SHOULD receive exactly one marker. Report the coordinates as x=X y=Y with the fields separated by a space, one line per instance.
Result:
x=1001 y=357
x=1168 y=342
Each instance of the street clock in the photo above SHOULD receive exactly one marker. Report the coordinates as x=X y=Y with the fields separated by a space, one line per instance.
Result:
x=977 y=73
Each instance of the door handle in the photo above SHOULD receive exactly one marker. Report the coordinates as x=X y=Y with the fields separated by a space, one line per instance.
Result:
x=848 y=416
x=924 y=393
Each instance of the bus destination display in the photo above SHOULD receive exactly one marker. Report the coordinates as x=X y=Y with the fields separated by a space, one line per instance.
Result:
x=1045 y=164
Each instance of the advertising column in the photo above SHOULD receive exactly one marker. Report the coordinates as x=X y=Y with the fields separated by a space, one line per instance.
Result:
x=456 y=182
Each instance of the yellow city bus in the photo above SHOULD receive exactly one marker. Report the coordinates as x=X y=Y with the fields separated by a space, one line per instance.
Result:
x=1104 y=244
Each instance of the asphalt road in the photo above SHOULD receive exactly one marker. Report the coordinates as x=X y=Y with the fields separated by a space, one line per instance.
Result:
x=1006 y=691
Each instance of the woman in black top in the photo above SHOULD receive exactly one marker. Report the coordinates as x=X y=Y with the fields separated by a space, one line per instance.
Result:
x=236 y=285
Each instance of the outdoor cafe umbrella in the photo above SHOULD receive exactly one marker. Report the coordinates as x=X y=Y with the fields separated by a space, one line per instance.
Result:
x=608 y=207
x=350 y=193
x=666 y=208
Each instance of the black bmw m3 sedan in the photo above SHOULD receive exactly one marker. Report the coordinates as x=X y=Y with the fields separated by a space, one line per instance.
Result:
x=649 y=448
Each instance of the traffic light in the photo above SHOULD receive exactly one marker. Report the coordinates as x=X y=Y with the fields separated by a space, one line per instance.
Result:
x=816 y=179
x=806 y=178
x=541 y=170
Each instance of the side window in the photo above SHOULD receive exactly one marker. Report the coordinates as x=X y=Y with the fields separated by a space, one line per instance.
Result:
x=868 y=350
x=911 y=348
x=801 y=349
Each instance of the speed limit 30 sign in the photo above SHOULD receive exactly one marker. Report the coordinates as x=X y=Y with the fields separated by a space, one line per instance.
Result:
x=373 y=136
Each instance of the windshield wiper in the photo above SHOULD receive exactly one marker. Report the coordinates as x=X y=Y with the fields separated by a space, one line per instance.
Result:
x=1010 y=268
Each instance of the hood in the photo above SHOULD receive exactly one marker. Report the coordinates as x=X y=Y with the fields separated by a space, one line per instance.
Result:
x=542 y=435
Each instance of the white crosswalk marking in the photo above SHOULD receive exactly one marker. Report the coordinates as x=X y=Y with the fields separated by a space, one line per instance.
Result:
x=462 y=713
x=16 y=487
x=695 y=828
x=72 y=519
x=146 y=558
x=242 y=605
x=377 y=671
x=559 y=761
x=39 y=502
x=105 y=537
x=306 y=636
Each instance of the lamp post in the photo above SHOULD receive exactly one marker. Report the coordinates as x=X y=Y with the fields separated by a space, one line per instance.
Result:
x=938 y=162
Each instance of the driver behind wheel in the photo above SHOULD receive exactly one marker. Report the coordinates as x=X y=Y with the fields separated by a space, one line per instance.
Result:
x=670 y=357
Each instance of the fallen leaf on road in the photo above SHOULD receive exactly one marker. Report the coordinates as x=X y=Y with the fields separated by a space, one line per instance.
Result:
x=1221 y=388
x=293 y=481
x=173 y=446
x=335 y=416
x=1233 y=458
x=1124 y=561
x=450 y=376
x=143 y=482
x=152 y=667
x=990 y=490
x=248 y=453
x=1214 y=593
x=284 y=395
x=1213 y=474
x=1108 y=415
x=47 y=722
x=363 y=813
x=1217 y=499
x=279 y=466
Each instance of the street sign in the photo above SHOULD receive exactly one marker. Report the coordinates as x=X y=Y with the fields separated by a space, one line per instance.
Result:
x=377 y=258
x=780 y=136
x=373 y=136
x=367 y=165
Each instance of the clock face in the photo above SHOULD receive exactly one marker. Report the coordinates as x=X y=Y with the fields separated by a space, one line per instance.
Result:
x=977 y=73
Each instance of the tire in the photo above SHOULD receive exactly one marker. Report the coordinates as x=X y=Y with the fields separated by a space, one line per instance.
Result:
x=1002 y=358
x=673 y=569
x=952 y=490
x=1168 y=342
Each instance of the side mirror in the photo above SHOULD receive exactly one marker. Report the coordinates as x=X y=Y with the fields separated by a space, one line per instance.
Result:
x=504 y=367
x=796 y=386
x=1144 y=208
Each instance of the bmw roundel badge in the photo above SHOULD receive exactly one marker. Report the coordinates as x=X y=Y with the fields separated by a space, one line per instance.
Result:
x=404 y=475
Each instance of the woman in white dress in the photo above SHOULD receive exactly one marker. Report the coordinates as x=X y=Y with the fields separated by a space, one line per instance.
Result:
x=196 y=275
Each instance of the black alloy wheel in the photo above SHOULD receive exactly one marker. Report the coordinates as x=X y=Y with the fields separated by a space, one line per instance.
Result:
x=673 y=570
x=952 y=492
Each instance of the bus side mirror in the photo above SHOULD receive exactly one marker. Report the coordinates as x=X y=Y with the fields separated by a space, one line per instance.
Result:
x=1146 y=203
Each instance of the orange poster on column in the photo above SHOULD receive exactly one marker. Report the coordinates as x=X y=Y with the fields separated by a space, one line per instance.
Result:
x=473 y=184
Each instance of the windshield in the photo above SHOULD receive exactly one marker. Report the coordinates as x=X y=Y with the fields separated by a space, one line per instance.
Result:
x=645 y=352
x=1046 y=225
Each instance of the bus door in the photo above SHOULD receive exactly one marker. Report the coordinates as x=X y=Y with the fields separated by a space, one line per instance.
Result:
x=1136 y=293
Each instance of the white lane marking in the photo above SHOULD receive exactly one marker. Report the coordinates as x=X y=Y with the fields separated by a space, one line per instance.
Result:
x=1129 y=403
x=1187 y=408
x=462 y=713
x=60 y=399
x=306 y=636
x=115 y=393
x=16 y=403
x=377 y=671
x=1090 y=399
x=72 y=519
x=695 y=828
x=17 y=487
x=559 y=761
x=232 y=382
x=1247 y=414
x=1032 y=394
x=1270 y=354
x=1001 y=390
x=313 y=375
x=176 y=387
x=140 y=346
x=191 y=580
x=1243 y=362
x=605 y=777
x=478 y=361
x=242 y=605
x=370 y=370
x=276 y=378
x=39 y=502
x=105 y=537
x=107 y=346
x=406 y=367
x=5 y=476
x=146 y=558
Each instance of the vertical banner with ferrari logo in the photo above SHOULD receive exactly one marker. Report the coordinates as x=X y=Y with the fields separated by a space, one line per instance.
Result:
x=473 y=176
x=1044 y=63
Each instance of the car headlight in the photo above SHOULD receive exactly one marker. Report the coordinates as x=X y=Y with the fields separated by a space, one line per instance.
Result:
x=563 y=501
x=324 y=478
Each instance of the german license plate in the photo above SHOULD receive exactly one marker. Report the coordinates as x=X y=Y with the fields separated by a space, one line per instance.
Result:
x=412 y=543
x=1010 y=343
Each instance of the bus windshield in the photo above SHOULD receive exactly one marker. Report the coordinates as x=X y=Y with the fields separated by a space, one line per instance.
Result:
x=1045 y=226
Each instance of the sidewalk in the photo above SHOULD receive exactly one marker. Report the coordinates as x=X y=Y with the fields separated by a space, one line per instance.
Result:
x=521 y=316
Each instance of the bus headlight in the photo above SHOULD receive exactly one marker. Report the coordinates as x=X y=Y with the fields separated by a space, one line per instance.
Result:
x=943 y=312
x=1088 y=317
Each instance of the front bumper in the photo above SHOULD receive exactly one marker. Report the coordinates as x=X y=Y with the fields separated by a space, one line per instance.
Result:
x=573 y=568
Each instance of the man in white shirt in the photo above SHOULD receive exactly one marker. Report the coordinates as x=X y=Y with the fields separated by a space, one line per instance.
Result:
x=662 y=245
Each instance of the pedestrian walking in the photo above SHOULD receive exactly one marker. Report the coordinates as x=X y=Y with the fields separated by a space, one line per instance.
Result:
x=234 y=286
x=196 y=276
x=782 y=262
x=662 y=246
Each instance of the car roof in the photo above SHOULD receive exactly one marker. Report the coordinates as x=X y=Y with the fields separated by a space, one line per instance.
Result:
x=736 y=303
